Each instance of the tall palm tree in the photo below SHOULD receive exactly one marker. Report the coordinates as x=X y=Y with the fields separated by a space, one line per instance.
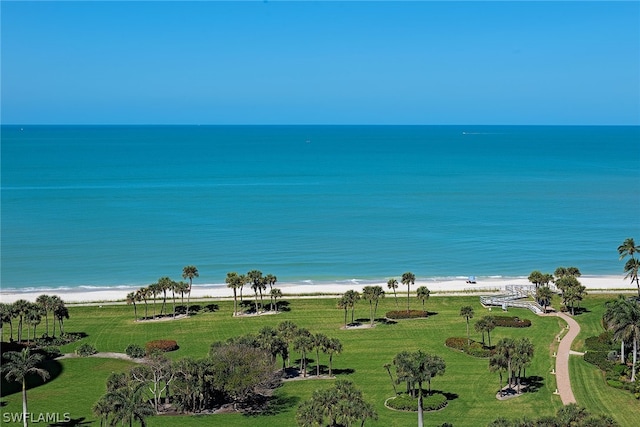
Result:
x=21 y=307
x=373 y=295
x=154 y=290
x=275 y=294
x=190 y=272
x=243 y=280
x=60 y=312
x=625 y=324
x=343 y=303
x=351 y=297
x=288 y=331
x=467 y=313
x=393 y=284
x=131 y=299
x=303 y=343
x=613 y=308
x=233 y=281
x=320 y=342
x=144 y=293
x=18 y=367
x=257 y=281
x=507 y=348
x=5 y=317
x=498 y=363
x=271 y=280
x=408 y=279
x=44 y=301
x=423 y=294
x=164 y=285
x=33 y=318
x=332 y=346
x=631 y=267
x=101 y=409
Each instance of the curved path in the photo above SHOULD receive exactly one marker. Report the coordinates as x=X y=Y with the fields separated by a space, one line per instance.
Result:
x=562 y=360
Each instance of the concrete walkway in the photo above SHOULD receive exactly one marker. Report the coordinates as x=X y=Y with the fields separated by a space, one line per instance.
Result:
x=562 y=360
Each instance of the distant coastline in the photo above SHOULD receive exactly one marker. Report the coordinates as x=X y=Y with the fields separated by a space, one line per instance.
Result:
x=86 y=294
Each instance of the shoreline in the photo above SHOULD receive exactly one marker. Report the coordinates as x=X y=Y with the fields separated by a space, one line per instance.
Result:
x=613 y=283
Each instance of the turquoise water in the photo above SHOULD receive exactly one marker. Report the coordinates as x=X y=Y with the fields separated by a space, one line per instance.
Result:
x=115 y=206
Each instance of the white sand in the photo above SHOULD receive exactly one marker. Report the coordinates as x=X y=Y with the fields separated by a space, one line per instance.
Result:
x=483 y=285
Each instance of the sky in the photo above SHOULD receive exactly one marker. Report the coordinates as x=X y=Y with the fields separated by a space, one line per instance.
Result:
x=274 y=62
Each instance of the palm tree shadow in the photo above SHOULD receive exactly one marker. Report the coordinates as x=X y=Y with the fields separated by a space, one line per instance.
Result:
x=449 y=396
x=53 y=367
x=385 y=321
x=283 y=306
x=72 y=422
x=533 y=383
x=270 y=405
x=345 y=371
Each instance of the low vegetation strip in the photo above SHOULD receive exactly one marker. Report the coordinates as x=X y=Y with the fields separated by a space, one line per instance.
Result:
x=406 y=314
x=406 y=402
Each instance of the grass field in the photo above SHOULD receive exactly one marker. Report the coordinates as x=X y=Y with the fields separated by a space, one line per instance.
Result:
x=78 y=383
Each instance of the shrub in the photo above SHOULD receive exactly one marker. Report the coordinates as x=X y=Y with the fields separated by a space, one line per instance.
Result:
x=85 y=350
x=50 y=351
x=475 y=349
x=512 y=322
x=160 y=345
x=135 y=351
x=599 y=358
x=603 y=342
x=403 y=314
x=405 y=402
x=456 y=343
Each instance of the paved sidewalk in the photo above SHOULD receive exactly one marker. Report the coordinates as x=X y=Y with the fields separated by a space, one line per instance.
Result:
x=562 y=360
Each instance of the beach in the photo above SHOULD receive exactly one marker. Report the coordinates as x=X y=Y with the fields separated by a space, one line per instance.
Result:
x=458 y=285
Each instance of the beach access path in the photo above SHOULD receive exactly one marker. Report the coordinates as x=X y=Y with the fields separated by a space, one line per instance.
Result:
x=562 y=360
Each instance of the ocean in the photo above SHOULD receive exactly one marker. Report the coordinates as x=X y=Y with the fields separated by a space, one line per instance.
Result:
x=117 y=206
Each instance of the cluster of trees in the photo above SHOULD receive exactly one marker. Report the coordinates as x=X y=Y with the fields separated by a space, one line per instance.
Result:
x=512 y=356
x=565 y=279
x=160 y=288
x=31 y=315
x=340 y=405
x=622 y=317
x=414 y=369
x=373 y=295
x=258 y=284
x=485 y=324
x=232 y=372
x=629 y=248
x=569 y=415
x=408 y=279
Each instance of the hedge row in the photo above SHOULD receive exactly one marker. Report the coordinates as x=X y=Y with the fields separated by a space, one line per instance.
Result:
x=160 y=345
x=603 y=342
x=405 y=402
x=512 y=322
x=404 y=314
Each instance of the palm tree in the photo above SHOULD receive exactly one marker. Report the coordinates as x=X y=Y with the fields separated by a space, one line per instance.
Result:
x=44 y=301
x=302 y=344
x=467 y=313
x=408 y=279
x=21 y=307
x=423 y=294
x=351 y=297
x=174 y=287
x=613 y=308
x=19 y=366
x=288 y=331
x=481 y=326
x=130 y=403
x=332 y=346
x=243 y=281
x=275 y=294
x=101 y=409
x=33 y=318
x=60 y=312
x=189 y=272
x=507 y=348
x=320 y=342
x=498 y=363
x=393 y=284
x=490 y=325
x=544 y=295
x=131 y=299
x=343 y=303
x=154 y=290
x=144 y=294
x=372 y=294
x=257 y=281
x=536 y=277
x=233 y=281
x=182 y=287
x=625 y=324
x=164 y=285
x=387 y=366
x=271 y=280
x=523 y=356
x=631 y=267
x=5 y=317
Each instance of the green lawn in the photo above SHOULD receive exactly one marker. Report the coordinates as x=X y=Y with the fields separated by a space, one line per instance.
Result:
x=80 y=382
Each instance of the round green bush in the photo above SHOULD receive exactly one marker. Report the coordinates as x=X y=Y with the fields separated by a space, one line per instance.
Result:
x=135 y=351
x=430 y=402
x=85 y=350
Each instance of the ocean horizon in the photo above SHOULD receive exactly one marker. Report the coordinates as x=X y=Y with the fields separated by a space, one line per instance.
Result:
x=93 y=207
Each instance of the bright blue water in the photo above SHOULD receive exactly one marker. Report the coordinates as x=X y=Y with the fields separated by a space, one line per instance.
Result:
x=109 y=206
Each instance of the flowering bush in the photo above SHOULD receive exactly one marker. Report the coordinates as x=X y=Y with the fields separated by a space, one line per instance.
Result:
x=160 y=345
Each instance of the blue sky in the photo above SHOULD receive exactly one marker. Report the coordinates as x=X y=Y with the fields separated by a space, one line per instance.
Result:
x=320 y=62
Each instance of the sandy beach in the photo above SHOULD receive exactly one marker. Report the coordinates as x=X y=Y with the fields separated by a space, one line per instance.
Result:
x=220 y=291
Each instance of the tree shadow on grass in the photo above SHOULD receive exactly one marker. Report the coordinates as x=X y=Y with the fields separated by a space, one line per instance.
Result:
x=449 y=396
x=72 y=423
x=211 y=308
x=260 y=405
x=345 y=371
x=283 y=306
x=533 y=383
x=385 y=321
x=53 y=367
